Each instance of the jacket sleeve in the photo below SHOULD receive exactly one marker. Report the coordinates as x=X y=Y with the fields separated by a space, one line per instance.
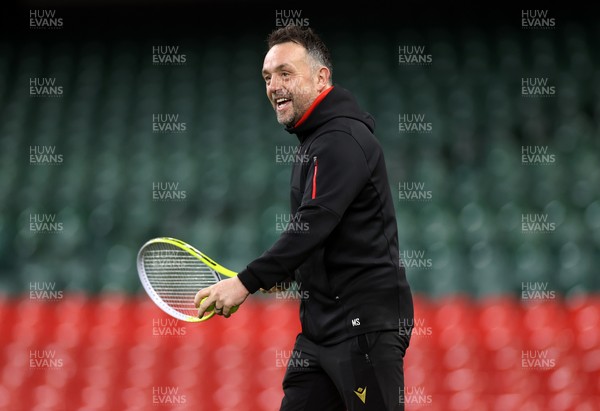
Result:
x=339 y=170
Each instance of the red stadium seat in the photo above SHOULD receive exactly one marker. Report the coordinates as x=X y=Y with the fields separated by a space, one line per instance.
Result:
x=125 y=354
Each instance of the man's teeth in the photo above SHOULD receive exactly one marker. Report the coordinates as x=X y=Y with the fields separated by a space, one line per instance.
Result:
x=281 y=100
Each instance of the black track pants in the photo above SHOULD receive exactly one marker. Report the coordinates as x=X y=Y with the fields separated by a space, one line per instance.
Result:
x=363 y=373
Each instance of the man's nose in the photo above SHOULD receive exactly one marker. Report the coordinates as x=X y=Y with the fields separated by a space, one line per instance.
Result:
x=274 y=85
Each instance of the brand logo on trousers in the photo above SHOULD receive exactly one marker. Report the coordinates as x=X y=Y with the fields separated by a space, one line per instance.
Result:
x=356 y=322
x=361 y=393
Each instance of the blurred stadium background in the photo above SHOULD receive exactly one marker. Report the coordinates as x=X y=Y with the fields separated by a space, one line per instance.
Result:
x=507 y=315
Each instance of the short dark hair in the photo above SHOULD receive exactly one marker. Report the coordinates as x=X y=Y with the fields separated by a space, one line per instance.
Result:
x=307 y=38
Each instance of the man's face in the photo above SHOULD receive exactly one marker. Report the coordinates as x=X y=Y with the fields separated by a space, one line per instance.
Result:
x=291 y=84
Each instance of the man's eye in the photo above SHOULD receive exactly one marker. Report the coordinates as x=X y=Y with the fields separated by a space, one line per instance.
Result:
x=285 y=74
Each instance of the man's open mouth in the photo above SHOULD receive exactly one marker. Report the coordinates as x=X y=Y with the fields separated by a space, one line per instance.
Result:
x=282 y=102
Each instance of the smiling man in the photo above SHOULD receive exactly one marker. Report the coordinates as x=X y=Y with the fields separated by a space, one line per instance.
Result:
x=346 y=261
x=294 y=80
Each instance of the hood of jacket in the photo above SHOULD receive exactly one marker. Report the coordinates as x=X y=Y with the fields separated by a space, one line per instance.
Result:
x=337 y=102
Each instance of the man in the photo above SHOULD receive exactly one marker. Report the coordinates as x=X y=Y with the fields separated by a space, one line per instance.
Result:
x=346 y=260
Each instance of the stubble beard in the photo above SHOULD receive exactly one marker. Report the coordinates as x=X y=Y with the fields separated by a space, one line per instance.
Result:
x=299 y=107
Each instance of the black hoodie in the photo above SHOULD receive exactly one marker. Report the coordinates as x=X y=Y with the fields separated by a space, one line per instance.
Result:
x=341 y=245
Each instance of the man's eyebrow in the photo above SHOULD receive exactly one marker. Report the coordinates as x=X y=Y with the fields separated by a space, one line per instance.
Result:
x=279 y=67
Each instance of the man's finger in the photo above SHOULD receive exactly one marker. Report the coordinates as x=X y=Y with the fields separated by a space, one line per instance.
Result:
x=205 y=292
x=232 y=310
x=226 y=311
x=207 y=304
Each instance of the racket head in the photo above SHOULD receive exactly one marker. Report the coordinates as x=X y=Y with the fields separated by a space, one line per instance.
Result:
x=172 y=272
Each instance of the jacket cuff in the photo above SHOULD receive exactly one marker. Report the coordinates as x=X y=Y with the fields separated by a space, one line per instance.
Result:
x=250 y=281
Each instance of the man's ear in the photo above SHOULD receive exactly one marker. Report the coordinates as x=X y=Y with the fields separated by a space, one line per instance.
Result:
x=323 y=76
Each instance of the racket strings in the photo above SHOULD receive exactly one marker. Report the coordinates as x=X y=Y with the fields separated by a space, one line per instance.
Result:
x=176 y=276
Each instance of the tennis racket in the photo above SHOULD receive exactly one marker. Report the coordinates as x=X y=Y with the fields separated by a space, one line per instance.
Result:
x=172 y=272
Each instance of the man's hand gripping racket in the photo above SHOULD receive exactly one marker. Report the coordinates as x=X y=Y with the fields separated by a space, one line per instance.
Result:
x=173 y=271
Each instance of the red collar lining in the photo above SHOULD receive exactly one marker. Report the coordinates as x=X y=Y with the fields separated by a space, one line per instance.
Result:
x=314 y=104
